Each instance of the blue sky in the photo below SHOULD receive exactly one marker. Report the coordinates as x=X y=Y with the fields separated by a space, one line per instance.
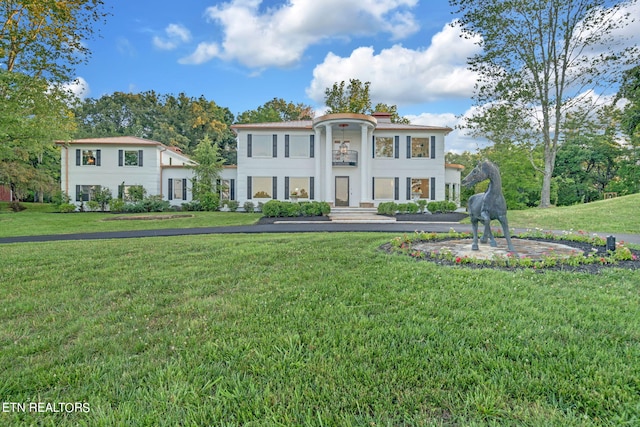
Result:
x=243 y=53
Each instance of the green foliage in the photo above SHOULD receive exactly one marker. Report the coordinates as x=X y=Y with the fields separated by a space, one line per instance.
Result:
x=422 y=205
x=103 y=197
x=116 y=205
x=179 y=121
x=43 y=38
x=233 y=205
x=278 y=209
x=136 y=193
x=66 y=207
x=539 y=67
x=92 y=205
x=277 y=110
x=249 y=206
x=388 y=208
x=209 y=201
x=354 y=98
x=441 y=207
x=206 y=172
x=148 y=204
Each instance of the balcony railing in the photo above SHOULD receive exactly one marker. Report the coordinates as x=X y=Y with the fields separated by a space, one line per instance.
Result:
x=345 y=158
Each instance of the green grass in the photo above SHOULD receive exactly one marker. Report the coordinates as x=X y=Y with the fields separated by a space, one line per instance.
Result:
x=618 y=215
x=37 y=219
x=309 y=329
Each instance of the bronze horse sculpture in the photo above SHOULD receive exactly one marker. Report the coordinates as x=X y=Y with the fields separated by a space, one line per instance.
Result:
x=487 y=206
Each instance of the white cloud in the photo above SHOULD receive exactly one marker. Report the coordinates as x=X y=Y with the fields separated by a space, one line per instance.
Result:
x=203 y=53
x=175 y=34
x=403 y=76
x=79 y=87
x=279 y=36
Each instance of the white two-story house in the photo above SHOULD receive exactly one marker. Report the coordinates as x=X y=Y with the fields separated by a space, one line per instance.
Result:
x=348 y=160
x=118 y=163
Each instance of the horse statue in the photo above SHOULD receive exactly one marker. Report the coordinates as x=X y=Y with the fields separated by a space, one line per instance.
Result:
x=487 y=206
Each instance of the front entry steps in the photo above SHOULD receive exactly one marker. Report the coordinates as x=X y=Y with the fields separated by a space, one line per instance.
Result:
x=358 y=215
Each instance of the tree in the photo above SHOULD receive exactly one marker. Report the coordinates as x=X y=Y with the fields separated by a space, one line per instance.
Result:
x=277 y=110
x=44 y=38
x=207 y=173
x=180 y=121
x=33 y=114
x=540 y=59
x=354 y=99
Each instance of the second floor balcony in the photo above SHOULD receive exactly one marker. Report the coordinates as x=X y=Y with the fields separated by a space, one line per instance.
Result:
x=345 y=158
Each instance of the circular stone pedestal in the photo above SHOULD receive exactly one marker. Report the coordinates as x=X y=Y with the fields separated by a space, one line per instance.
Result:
x=531 y=249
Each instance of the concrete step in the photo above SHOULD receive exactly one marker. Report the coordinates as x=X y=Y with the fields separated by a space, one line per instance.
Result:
x=358 y=215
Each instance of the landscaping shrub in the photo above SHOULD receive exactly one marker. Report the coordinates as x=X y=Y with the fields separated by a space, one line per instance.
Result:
x=272 y=209
x=116 y=205
x=93 y=205
x=233 y=205
x=210 y=201
x=310 y=209
x=66 y=207
x=102 y=197
x=387 y=208
x=422 y=205
x=291 y=209
x=325 y=208
x=249 y=207
x=193 y=206
x=441 y=207
x=412 y=208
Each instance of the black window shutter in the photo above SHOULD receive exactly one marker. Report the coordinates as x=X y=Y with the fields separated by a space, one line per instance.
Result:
x=121 y=191
x=408 y=147
x=312 y=146
x=286 y=188
x=232 y=190
x=312 y=188
x=78 y=193
x=408 y=188
x=184 y=188
x=98 y=157
x=120 y=157
x=140 y=158
x=78 y=157
x=286 y=145
x=396 y=147
x=275 y=188
x=396 y=188
x=249 y=141
x=275 y=146
x=433 y=147
x=249 y=192
x=170 y=195
x=373 y=187
x=373 y=147
x=433 y=188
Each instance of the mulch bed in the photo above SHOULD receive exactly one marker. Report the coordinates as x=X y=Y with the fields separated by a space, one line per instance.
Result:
x=593 y=268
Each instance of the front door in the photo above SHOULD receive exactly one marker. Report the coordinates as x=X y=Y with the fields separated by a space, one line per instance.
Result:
x=342 y=191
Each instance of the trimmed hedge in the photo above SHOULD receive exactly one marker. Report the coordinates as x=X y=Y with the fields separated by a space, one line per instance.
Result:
x=280 y=209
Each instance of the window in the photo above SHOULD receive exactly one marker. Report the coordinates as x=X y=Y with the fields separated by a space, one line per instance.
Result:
x=261 y=187
x=261 y=146
x=383 y=188
x=84 y=193
x=420 y=147
x=299 y=146
x=384 y=146
x=420 y=188
x=225 y=189
x=177 y=189
x=300 y=186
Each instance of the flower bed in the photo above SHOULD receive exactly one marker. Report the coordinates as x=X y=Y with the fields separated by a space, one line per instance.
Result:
x=592 y=255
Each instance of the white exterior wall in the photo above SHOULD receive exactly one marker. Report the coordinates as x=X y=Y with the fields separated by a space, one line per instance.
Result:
x=109 y=174
x=359 y=192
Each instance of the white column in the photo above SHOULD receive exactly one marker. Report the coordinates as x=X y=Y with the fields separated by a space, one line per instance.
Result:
x=328 y=163
x=364 y=164
x=317 y=172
